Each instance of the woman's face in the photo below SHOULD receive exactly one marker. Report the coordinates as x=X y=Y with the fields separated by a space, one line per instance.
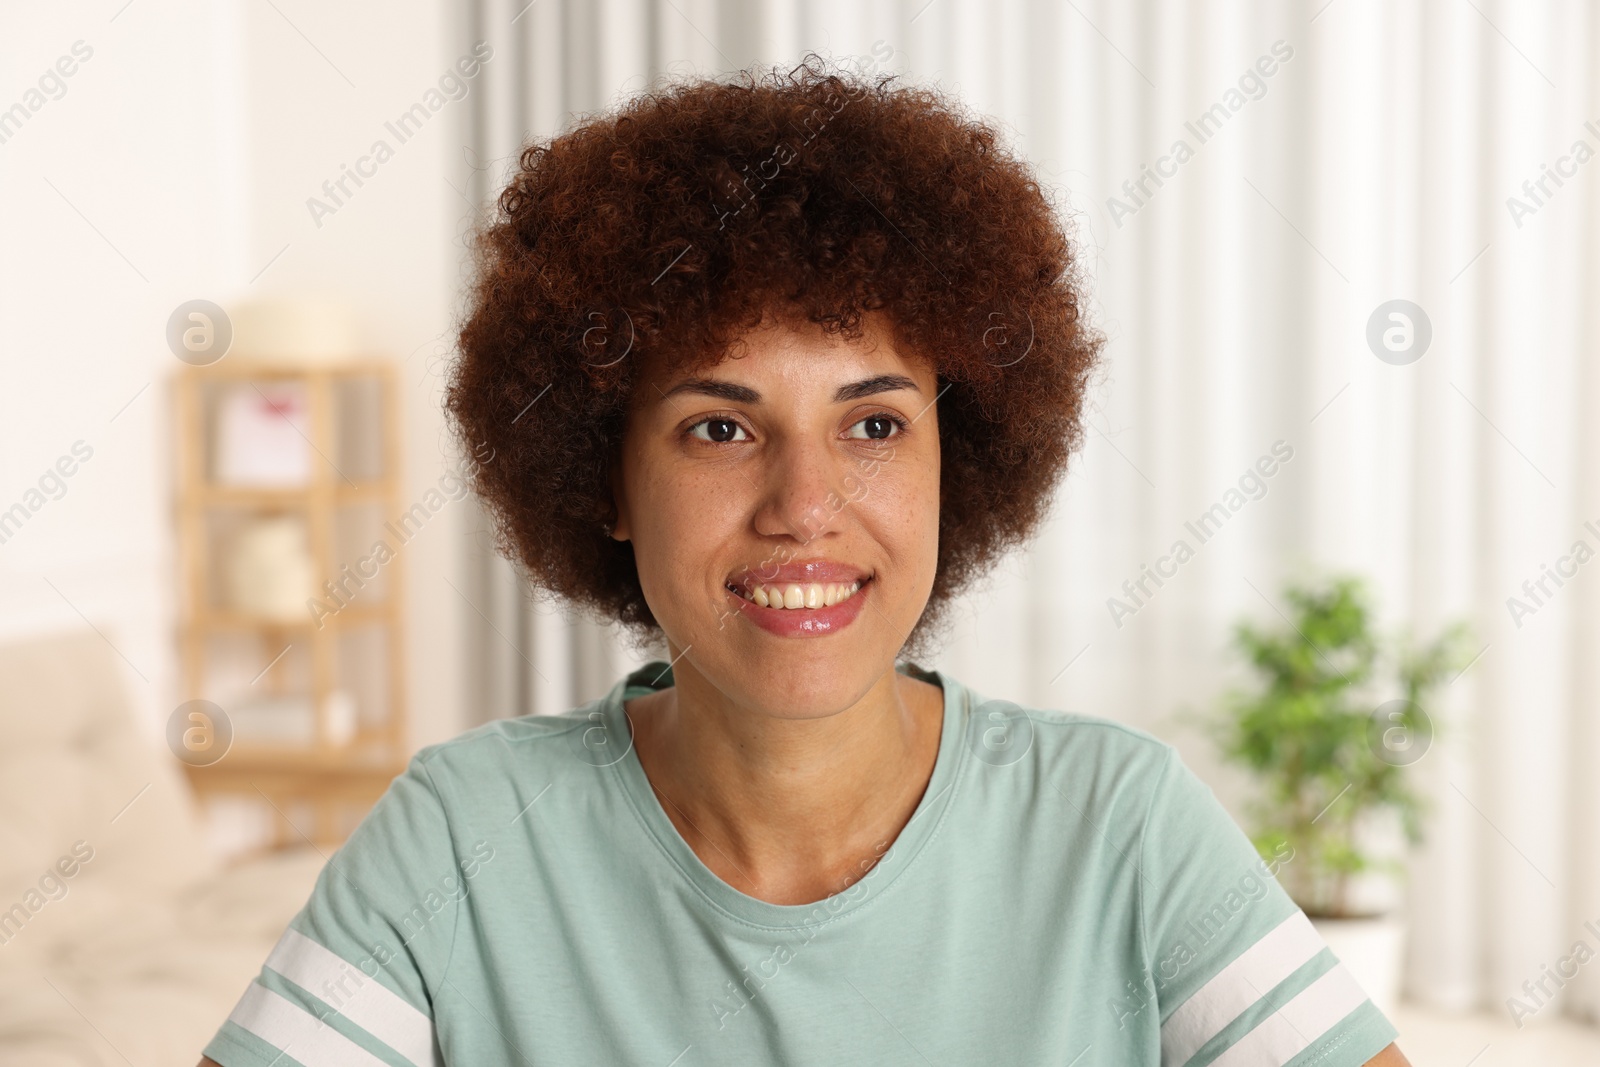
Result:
x=789 y=472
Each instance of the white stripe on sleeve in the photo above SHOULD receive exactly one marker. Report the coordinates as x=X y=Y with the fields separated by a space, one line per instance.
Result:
x=350 y=992
x=296 y=1033
x=1279 y=953
x=1290 y=1030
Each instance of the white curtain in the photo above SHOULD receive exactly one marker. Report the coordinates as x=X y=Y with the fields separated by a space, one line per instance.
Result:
x=1373 y=163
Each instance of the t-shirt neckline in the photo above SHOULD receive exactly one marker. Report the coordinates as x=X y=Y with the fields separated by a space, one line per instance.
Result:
x=898 y=858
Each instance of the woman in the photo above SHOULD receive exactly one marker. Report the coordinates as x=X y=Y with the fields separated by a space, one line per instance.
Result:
x=770 y=371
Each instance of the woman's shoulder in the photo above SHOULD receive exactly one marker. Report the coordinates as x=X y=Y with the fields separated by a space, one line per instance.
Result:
x=1104 y=767
x=1059 y=732
x=527 y=744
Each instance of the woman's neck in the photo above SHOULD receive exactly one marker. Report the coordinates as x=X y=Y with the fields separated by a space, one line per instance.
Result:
x=788 y=810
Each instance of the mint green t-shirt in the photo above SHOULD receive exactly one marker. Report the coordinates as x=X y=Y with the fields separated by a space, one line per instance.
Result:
x=1067 y=892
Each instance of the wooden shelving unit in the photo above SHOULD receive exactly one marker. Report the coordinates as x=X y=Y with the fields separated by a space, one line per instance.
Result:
x=321 y=789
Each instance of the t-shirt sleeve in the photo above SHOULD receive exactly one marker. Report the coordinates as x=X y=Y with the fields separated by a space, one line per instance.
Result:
x=352 y=980
x=1241 y=976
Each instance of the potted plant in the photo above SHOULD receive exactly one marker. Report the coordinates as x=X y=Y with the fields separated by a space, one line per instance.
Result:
x=1328 y=732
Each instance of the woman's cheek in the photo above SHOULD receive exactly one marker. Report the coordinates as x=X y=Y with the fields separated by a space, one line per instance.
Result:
x=902 y=495
x=699 y=515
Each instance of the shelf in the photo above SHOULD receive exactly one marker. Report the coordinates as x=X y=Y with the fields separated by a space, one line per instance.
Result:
x=211 y=495
x=265 y=370
x=354 y=761
x=344 y=419
x=314 y=795
x=354 y=615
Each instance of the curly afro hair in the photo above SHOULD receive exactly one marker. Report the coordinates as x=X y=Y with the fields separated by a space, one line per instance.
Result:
x=698 y=210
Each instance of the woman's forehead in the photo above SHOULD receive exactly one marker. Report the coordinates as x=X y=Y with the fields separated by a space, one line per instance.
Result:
x=793 y=357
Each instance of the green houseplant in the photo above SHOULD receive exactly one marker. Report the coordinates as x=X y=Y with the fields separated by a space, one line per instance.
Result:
x=1329 y=732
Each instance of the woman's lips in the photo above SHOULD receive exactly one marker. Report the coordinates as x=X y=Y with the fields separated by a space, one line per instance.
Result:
x=804 y=622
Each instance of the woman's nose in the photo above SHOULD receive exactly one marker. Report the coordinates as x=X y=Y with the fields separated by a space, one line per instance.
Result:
x=800 y=490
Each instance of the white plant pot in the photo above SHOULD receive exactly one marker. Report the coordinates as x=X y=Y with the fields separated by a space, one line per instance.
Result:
x=1372 y=951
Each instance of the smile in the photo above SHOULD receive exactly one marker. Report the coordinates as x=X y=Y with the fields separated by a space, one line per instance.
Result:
x=800 y=608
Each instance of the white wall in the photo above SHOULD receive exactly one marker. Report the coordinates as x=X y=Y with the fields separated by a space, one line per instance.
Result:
x=177 y=165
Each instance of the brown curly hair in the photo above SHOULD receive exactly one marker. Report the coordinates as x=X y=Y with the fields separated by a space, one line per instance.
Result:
x=693 y=212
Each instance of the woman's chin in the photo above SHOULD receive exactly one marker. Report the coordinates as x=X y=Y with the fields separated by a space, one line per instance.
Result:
x=789 y=683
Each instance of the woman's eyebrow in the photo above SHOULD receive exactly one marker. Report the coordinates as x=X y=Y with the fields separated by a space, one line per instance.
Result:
x=738 y=394
x=743 y=394
x=882 y=383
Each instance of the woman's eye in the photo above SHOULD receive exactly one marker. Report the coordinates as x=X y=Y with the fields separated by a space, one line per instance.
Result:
x=716 y=431
x=878 y=427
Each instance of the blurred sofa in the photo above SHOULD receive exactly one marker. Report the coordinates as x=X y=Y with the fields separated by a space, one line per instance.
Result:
x=122 y=939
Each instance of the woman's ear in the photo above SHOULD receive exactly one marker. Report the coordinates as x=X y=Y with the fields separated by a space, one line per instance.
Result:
x=619 y=529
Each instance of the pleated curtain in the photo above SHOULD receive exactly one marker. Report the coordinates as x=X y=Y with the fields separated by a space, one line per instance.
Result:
x=1337 y=156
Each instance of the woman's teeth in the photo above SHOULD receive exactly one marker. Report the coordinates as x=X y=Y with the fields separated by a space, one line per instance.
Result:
x=794 y=595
